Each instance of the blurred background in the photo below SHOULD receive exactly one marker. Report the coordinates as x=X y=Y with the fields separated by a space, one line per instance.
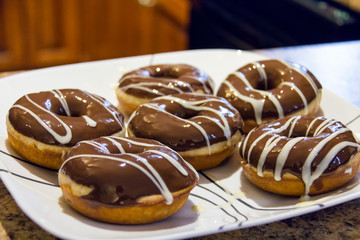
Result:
x=41 y=33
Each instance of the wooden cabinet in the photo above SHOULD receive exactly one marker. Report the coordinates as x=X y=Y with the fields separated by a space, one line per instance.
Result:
x=35 y=34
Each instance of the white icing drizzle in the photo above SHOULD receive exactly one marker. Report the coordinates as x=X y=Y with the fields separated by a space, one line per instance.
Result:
x=150 y=171
x=62 y=101
x=262 y=73
x=116 y=143
x=348 y=170
x=269 y=95
x=301 y=95
x=293 y=125
x=107 y=106
x=61 y=139
x=150 y=90
x=179 y=82
x=311 y=124
x=136 y=142
x=197 y=126
x=90 y=122
x=257 y=104
x=297 y=68
x=68 y=135
x=143 y=86
x=162 y=186
x=164 y=191
x=309 y=178
x=245 y=141
x=325 y=124
x=278 y=130
x=172 y=160
x=96 y=145
x=193 y=105
x=283 y=156
x=203 y=76
x=269 y=145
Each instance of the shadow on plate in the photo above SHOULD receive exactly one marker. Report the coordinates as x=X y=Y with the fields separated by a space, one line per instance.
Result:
x=47 y=175
x=227 y=168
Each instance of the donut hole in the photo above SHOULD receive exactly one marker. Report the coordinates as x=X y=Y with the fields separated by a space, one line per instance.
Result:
x=297 y=131
x=164 y=74
x=272 y=82
x=296 y=135
x=261 y=85
x=73 y=113
x=176 y=109
x=186 y=113
x=60 y=112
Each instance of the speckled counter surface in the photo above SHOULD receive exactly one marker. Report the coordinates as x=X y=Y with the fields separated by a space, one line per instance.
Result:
x=338 y=222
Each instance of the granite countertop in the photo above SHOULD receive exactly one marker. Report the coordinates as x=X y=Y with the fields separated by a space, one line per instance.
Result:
x=337 y=222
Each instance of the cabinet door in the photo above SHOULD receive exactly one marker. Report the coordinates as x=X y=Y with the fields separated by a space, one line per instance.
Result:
x=11 y=35
x=52 y=30
x=40 y=33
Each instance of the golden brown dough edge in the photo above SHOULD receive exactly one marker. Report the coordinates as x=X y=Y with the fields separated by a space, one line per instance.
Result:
x=200 y=158
x=42 y=154
x=291 y=185
x=128 y=103
x=46 y=155
x=149 y=209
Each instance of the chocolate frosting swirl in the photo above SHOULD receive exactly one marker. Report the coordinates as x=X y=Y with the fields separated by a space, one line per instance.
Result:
x=186 y=121
x=306 y=147
x=64 y=117
x=270 y=89
x=165 y=79
x=122 y=170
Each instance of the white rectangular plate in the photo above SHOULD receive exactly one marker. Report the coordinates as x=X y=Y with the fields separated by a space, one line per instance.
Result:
x=223 y=200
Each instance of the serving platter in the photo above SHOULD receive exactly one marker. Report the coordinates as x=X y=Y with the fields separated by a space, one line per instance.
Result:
x=222 y=201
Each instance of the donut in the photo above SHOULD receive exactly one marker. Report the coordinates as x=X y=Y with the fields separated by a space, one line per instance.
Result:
x=142 y=85
x=42 y=126
x=267 y=90
x=203 y=129
x=125 y=180
x=300 y=155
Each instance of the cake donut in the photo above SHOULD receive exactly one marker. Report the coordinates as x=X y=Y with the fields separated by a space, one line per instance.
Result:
x=42 y=126
x=125 y=180
x=300 y=155
x=141 y=85
x=271 y=89
x=203 y=129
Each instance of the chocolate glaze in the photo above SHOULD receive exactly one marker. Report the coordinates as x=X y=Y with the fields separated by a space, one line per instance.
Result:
x=88 y=116
x=117 y=182
x=248 y=89
x=186 y=121
x=308 y=139
x=165 y=79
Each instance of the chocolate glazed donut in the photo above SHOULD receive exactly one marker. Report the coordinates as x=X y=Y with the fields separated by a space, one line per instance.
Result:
x=300 y=155
x=42 y=126
x=143 y=84
x=204 y=129
x=125 y=180
x=270 y=89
